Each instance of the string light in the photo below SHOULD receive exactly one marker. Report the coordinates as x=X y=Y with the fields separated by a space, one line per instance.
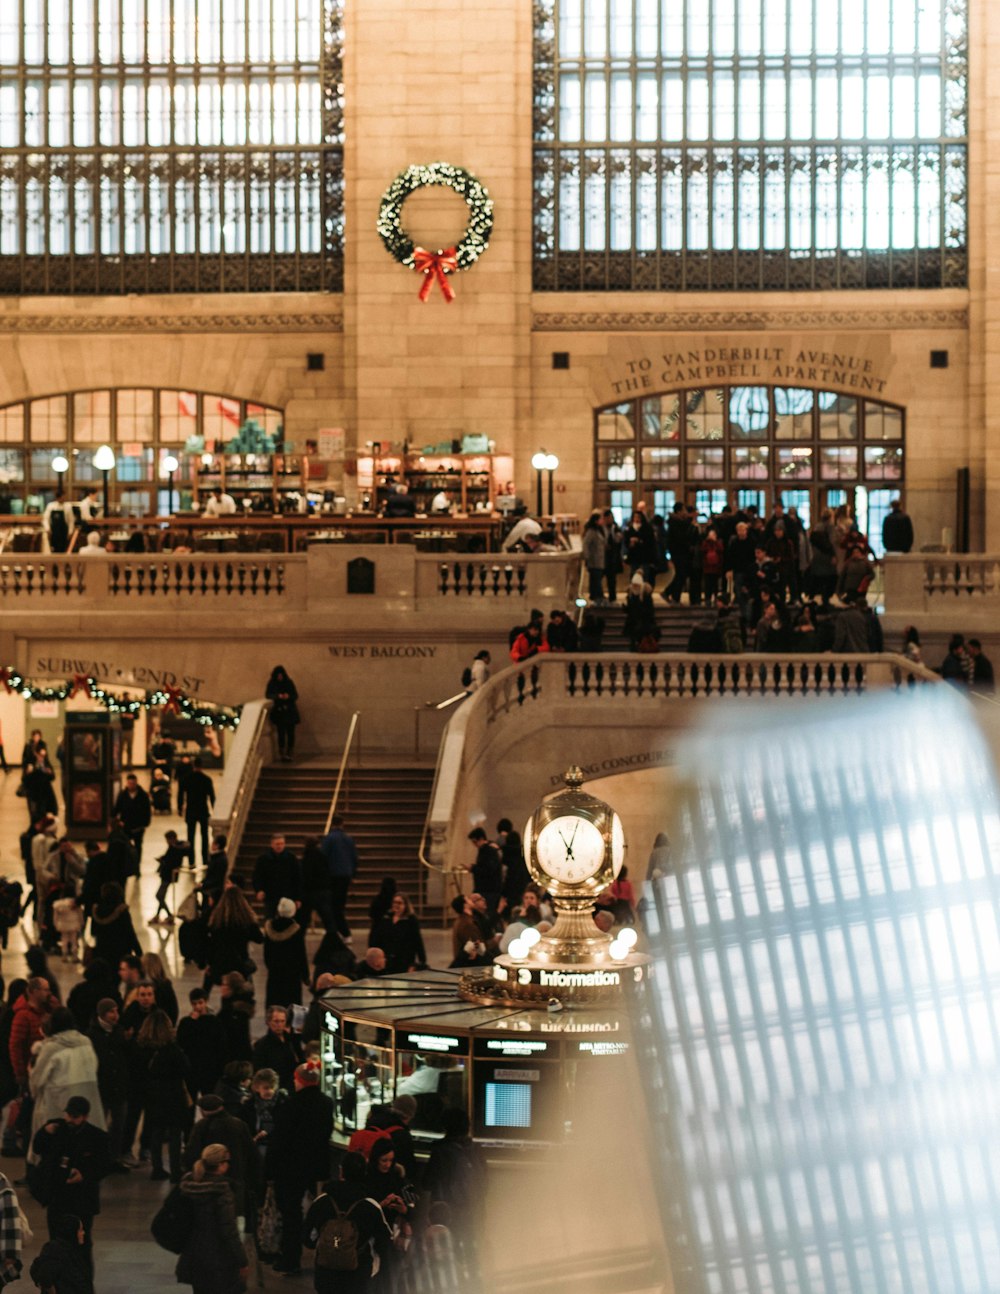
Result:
x=206 y=715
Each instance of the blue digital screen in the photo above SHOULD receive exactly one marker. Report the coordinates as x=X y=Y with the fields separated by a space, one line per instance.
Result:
x=508 y=1105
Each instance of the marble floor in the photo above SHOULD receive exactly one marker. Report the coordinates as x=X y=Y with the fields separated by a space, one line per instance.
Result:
x=127 y=1260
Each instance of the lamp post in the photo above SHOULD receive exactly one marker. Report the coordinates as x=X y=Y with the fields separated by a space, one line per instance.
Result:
x=170 y=466
x=551 y=463
x=539 y=462
x=60 y=465
x=104 y=461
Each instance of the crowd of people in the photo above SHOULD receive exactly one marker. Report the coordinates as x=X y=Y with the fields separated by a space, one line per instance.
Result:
x=115 y=1077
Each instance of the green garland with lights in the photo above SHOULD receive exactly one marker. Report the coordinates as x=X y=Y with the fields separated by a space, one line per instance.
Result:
x=169 y=699
x=470 y=246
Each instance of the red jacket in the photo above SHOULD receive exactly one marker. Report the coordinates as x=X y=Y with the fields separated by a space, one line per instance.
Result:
x=524 y=647
x=25 y=1030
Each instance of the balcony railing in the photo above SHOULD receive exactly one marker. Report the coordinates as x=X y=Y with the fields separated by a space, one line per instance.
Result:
x=956 y=583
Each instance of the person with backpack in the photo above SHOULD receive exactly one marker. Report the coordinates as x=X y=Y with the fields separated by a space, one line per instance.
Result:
x=62 y=1267
x=213 y=1259
x=348 y=1231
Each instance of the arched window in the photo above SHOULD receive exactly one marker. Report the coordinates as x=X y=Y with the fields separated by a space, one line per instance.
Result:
x=143 y=426
x=170 y=146
x=750 y=144
x=750 y=446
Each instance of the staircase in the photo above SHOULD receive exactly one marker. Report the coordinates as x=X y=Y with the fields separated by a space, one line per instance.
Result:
x=675 y=624
x=384 y=809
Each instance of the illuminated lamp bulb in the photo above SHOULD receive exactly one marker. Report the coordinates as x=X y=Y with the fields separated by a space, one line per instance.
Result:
x=517 y=950
x=530 y=937
x=618 y=950
x=628 y=937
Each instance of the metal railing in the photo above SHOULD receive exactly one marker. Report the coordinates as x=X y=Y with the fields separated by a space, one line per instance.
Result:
x=252 y=748
x=353 y=729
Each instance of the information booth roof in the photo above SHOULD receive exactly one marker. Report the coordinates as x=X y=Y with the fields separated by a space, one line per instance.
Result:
x=431 y=998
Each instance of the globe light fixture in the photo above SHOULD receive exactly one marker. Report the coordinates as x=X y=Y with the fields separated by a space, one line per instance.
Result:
x=60 y=465
x=104 y=461
x=170 y=466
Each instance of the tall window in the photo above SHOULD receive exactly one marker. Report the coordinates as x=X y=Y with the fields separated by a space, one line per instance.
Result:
x=750 y=144
x=170 y=146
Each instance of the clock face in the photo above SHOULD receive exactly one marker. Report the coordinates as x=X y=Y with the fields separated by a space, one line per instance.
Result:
x=570 y=849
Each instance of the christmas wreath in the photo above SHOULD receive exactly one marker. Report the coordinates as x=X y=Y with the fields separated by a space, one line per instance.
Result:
x=436 y=266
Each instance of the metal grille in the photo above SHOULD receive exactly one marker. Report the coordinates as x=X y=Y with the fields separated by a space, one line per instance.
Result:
x=750 y=144
x=822 y=1023
x=170 y=146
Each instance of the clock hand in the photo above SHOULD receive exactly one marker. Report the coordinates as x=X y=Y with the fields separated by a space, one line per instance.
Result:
x=568 y=845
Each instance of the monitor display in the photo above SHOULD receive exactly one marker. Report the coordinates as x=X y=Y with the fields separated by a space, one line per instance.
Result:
x=508 y=1105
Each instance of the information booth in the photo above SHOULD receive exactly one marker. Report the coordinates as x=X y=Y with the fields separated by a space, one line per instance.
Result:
x=519 y=1073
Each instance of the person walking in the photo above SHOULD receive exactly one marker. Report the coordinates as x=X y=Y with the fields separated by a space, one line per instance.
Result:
x=63 y=1266
x=112 y=1051
x=300 y=1158
x=284 y=696
x=399 y=937
x=11 y=1236
x=38 y=779
x=199 y=1036
x=111 y=926
x=232 y=927
x=213 y=1260
x=897 y=529
x=134 y=809
x=594 y=548
x=279 y=1049
x=217 y=1126
x=285 y=957
x=341 y=854
x=276 y=875
x=317 y=894
x=167 y=866
x=74 y=1156
x=65 y=1066
x=348 y=1196
x=167 y=1099
x=195 y=801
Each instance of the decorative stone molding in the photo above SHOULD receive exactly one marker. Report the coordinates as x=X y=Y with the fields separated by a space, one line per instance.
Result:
x=126 y=323
x=743 y=320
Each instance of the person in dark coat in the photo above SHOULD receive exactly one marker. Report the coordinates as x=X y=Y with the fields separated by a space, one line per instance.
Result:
x=98 y=982
x=284 y=696
x=235 y=1013
x=39 y=776
x=74 y=1156
x=112 y=1050
x=233 y=1087
x=333 y=957
x=121 y=855
x=167 y=1099
x=195 y=800
x=279 y=1049
x=217 y=1126
x=348 y=1194
x=232 y=927
x=456 y=1175
x=897 y=529
x=300 y=1158
x=63 y=1265
x=213 y=1260
x=516 y=877
x=399 y=937
x=111 y=926
x=214 y=880
x=487 y=870
x=382 y=902
x=276 y=875
x=200 y=1037
x=317 y=892
x=285 y=957
x=134 y=810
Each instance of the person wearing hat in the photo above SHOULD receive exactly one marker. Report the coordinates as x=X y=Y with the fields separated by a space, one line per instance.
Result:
x=213 y=1257
x=285 y=956
x=279 y=1049
x=228 y=1130
x=74 y=1156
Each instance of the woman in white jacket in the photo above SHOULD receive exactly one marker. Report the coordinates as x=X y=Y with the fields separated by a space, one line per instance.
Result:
x=65 y=1066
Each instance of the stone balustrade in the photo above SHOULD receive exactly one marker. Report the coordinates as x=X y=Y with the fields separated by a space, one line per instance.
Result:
x=283 y=581
x=943 y=592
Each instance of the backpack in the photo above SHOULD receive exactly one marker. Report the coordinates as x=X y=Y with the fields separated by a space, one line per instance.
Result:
x=171 y=1228
x=337 y=1246
x=467 y=676
x=363 y=1140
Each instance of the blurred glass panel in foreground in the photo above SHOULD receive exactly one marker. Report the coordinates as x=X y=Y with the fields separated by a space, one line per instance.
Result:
x=823 y=1056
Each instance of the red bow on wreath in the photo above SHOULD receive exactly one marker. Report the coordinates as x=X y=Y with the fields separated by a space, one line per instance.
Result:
x=435 y=265
x=81 y=683
x=173 y=701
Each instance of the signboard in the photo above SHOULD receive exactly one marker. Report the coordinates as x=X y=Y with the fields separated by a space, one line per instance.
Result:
x=431 y=1042
x=495 y=1048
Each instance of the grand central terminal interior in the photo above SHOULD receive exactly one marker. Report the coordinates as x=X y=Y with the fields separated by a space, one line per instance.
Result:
x=351 y=336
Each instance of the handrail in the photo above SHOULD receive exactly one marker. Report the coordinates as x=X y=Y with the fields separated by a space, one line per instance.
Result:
x=351 y=731
x=239 y=781
x=585 y=678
